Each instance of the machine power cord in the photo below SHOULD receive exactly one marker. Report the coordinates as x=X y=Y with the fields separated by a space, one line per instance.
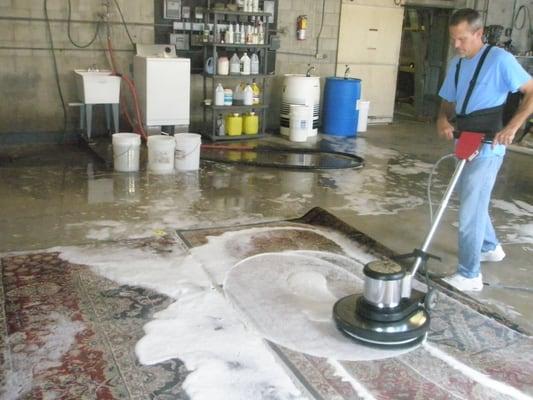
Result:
x=69 y=19
x=430 y=181
x=321 y=27
x=124 y=23
x=429 y=283
x=56 y=71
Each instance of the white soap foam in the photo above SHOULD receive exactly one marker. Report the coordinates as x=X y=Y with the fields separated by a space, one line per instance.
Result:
x=411 y=167
x=288 y=297
x=172 y=274
x=200 y=328
x=341 y=372
x=59 y=333
x=220 y=254
x=475 y=375
x=370 y=192
x=228 y=361
x=181 y=276
x=517 y=208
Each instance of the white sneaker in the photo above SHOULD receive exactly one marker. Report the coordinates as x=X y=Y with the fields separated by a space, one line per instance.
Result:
x=493 y=255
x=465 y=284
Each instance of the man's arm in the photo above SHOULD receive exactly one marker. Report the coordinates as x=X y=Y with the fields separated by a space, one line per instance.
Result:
x=506 y=135
x=446 y=113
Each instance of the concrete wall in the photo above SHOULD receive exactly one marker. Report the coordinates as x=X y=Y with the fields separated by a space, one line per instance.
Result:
x=501 y=13
x=28 y=95
x=294 y=56
x=29 y=100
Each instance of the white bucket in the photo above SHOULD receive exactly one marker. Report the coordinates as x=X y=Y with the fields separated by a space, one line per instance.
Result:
x=188 y=151
x=126 y=150
x=161 y=154
x=362 y=122
x=300 y=123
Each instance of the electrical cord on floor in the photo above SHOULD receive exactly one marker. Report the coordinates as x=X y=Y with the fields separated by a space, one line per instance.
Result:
x=430 y=179
x=69 y=19
x=124 y=23
x=56 y=71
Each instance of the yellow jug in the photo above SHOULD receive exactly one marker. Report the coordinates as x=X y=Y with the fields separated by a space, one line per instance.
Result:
x=251 y=124
x=233 y=124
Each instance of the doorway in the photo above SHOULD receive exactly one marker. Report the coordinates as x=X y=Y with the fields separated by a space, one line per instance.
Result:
x=422 y=64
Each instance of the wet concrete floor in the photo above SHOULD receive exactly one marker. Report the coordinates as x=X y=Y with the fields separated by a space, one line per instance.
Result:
x=65 y=195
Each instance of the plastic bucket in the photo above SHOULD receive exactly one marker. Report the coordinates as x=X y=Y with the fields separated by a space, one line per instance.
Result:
x=188 y=151
x=300 y=123
x=126 y=150
x=161 y=154
x=362 y=122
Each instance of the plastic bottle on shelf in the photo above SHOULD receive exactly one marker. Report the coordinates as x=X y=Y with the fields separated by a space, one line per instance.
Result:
x=235 y=65
x=238 y=94
x=223 y=66
x=221 y=130
x=250 y=124
x=230 y=34
x=261 y=33
x=237 y=34
x=248 y=96
x=257 y=92
x=240 y=4
x=254 y=64
x=228 y=97
x=205 y=33
x=219 y=95
x=243 y=34
x=255 y=35
x=245 y=64
x=255 y=5
x=234 y=124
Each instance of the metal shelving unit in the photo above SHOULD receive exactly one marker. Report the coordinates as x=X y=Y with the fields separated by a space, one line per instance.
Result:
x=211 y=112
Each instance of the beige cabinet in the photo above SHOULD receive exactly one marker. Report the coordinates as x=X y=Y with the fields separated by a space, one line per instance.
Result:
x=369 y=42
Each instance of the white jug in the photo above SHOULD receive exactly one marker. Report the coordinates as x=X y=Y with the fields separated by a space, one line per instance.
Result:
x=235 y=65
x=245 y=64
x=223 y=66
x=248 y=96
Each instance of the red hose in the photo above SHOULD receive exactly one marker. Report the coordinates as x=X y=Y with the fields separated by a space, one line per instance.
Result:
x=138 y=127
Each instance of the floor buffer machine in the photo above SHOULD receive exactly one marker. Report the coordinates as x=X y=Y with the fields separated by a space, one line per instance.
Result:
x=390 y=313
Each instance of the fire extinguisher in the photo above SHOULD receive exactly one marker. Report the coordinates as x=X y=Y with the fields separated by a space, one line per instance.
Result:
x=301 y=27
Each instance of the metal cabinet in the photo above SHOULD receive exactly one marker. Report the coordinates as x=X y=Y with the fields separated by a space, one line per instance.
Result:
x=214 y=48
x=369 y=43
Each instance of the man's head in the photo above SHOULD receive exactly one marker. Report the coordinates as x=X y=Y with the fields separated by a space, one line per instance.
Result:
x=466 y=32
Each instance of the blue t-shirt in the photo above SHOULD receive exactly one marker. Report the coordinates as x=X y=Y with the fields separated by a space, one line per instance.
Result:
x=501 y=73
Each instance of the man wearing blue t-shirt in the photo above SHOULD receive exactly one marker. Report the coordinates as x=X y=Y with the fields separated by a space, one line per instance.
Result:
x=474 y=92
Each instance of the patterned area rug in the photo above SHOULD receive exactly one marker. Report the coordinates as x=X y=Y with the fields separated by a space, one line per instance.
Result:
x=481 y=343
x=70 y=334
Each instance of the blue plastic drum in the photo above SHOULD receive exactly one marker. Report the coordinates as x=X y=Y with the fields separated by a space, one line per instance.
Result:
x=340 y=106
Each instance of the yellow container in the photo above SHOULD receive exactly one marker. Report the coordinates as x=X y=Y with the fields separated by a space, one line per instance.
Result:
x=251 y=124
x=233 y=125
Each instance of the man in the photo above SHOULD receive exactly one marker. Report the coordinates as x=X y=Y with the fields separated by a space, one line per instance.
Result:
x=477 y=104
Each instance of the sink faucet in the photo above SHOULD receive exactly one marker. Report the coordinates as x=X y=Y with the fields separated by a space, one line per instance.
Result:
x=346 y=71
x=309 y=70
x=93 y=68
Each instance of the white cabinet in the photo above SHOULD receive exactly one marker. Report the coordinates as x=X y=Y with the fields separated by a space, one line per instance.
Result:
x=163 y=86
x=369 y=42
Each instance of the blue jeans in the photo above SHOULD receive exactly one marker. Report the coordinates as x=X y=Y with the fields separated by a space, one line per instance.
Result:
x=476 y=233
